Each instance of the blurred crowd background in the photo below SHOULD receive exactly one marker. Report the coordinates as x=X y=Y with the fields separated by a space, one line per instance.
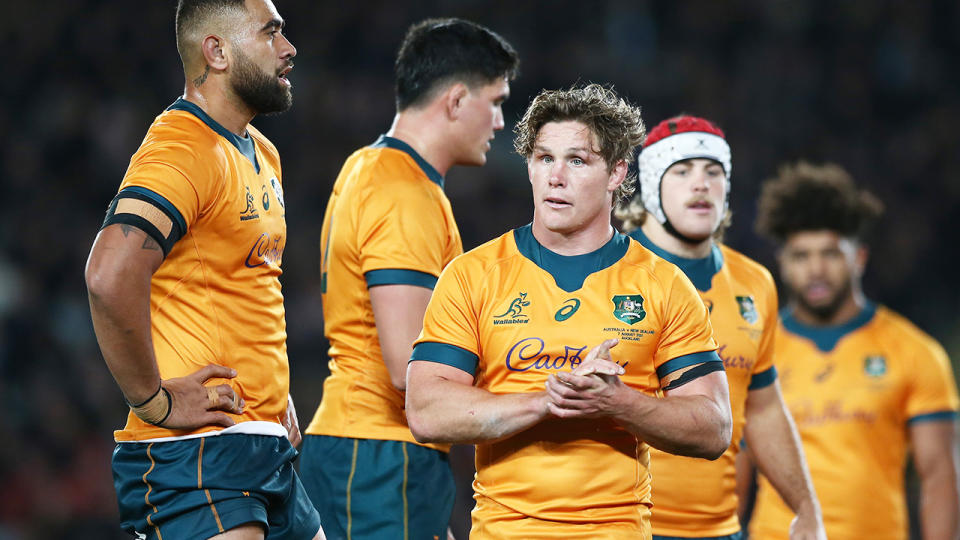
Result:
x=870 y=84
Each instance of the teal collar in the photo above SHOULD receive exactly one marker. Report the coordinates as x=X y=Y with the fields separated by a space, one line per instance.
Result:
x=826 y=337
x=700 y=271
x=244 y=145
x=569 y=272
x=391 y=142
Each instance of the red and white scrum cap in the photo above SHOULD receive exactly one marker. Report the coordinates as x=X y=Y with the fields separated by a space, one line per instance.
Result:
x=673 y=140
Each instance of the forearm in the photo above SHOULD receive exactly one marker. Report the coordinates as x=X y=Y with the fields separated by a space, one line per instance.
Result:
x=939 y=508
x=776 y=450
x=122 y=328
x=693 y=425
x=443 y=411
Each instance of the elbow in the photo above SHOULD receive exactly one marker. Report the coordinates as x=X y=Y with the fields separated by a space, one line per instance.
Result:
x=99 y=282
x=720 y=440
x=399 y=381
x=421 y=429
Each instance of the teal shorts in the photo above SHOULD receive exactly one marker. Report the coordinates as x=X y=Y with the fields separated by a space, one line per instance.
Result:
x=368 y=489
x=198 y=488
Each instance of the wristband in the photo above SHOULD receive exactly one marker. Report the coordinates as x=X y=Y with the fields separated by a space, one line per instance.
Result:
x=156 y=409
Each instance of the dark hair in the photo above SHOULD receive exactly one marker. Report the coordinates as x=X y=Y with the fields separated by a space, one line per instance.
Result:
x=438 y=51
x=616 y=124
x=191 y=14
x=807 y=197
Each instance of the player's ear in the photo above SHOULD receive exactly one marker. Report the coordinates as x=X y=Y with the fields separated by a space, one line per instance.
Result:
x=617 y=175
x=454 y=99
x=860 y=259
x=214 y=52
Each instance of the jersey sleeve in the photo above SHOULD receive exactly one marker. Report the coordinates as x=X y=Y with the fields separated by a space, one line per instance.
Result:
x=450 y=332
x=403 y=235
x=171 y=171
x=933 y=390
x=686 y=337
x=764 y=371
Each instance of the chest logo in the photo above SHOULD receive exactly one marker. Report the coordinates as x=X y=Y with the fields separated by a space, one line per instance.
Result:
x=514 y=313
x=250 y=212
x=628 y=308
x=748 y=309
x=875 y=366
x=567 y=310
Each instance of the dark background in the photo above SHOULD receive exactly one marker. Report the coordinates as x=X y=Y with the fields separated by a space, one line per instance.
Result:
x=872 y=85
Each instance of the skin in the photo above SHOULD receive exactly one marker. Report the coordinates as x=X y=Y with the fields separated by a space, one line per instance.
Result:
x=256 y=34
x=823 y=272
x=456 y=126
x=123 y=258
x=573 y=195
x=573 y=189
x=692 y=193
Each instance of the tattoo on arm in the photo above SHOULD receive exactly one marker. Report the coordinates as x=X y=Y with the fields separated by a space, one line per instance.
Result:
x=202 y=78
x=148 y=242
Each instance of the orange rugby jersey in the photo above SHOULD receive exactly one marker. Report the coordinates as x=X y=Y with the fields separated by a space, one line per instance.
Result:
x=853 y=390
x=511 y=312
x=695 y=497
x=216 y=297
x=387 y=222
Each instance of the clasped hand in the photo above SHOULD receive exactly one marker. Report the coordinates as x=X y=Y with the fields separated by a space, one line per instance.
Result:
x=589 y=390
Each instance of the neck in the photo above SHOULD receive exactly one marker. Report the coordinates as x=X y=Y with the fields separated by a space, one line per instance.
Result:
x=221 y=105
x=418 y=128
x=579 y=242
x=851 y=306
x=671 y=244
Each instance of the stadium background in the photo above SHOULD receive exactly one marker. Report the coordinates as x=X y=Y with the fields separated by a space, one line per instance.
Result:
x=871 y=85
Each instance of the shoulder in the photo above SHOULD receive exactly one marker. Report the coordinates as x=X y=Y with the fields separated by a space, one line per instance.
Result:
x=183 y=141
x=744 y=267
x=905 y=334
x=659 y=269
x=496 y=253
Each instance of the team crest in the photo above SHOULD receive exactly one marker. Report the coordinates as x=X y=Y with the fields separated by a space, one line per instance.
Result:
x=748 y=309
x=277 y=190
x=514 y=313
x=628 y=308
x=875 y=366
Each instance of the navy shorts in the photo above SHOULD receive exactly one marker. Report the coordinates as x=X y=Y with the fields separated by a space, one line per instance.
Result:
x=369 y=489
x=198 y=488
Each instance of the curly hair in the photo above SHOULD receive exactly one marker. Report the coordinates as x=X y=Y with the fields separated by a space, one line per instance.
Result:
x=808 y=197
x=616 y=124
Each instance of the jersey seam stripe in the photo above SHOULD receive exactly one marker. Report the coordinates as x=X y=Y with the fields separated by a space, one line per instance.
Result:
x=146 y=496
x=353 y=470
